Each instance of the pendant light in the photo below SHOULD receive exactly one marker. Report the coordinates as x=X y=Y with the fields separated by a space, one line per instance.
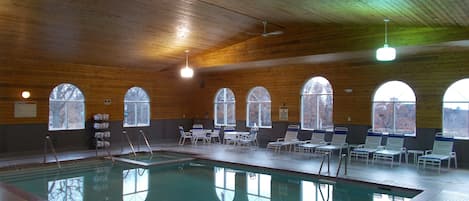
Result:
x=386 y=53
x=187 y=71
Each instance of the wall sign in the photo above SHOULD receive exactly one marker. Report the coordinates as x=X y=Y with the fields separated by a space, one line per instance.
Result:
x=25 y=109
x=283 y=113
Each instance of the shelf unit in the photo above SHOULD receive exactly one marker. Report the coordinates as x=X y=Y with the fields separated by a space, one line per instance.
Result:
x=102 y=133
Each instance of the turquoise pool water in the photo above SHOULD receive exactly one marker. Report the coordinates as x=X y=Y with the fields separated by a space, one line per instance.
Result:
x=157 y=157
x=194 y=180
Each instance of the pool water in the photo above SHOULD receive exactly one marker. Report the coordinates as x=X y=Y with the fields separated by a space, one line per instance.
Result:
x=146 y=159
x=197 y=180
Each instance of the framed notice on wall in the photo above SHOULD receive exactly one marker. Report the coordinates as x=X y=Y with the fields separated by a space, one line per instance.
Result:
x=283 y=113
x=24 y=109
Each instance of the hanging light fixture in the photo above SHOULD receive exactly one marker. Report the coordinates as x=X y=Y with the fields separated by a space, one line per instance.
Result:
x=386 y=53
x=187 y=71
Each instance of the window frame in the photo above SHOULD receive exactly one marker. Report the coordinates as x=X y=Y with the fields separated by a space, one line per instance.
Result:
x=259 y=104
x=318 y=95
x=449 y=134
x=135 y=104
x=394 y=113
x=66 y=115
x=225 y=104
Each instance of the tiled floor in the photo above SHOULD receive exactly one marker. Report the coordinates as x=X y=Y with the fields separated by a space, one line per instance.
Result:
x=450 y=184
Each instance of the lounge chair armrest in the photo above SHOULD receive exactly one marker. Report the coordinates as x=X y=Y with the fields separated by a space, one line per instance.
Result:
x=381 y=147
x=403 y=149
x=361 y=146
x=453 y=154
x=280 y=139
x=427 y=152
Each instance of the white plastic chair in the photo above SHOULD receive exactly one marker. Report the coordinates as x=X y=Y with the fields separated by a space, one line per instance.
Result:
x=215 y=134
x=307 y=146
x=394 y=147
x=290 y=139
x=442 y=150
x=183 y=136
x=372 y=144
x=338 y=141
x=198 y=133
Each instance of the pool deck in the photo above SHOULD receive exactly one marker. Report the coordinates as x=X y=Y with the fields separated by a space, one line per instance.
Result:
x=450 y=184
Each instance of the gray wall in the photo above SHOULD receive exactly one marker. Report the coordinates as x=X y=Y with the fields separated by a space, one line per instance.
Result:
x=28 y=138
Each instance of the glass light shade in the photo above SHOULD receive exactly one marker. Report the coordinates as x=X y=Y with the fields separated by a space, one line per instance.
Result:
x=386 y=53
x=25 y=94
x=187 y=72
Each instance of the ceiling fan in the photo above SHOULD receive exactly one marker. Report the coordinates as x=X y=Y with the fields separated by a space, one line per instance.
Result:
x=265 y=33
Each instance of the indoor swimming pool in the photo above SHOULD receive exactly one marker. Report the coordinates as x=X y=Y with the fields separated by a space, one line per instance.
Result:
x=196 y=180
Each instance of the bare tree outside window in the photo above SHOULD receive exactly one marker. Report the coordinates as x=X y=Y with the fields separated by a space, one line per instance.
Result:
x=224 y=106
x=394 y=109
x=317 y=104
x=66 y=108
x=456 y=110
x=136 y=108
x=70 y=189
x=259 y=108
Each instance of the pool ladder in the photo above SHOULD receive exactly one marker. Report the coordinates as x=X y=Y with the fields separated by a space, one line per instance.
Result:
x=146 y=142
x=48 y=141
x=342 y=159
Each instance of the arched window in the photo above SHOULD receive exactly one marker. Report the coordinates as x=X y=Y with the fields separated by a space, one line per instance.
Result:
x=456 y=110
x=224 y=183
x=66 y=108
x=258 y=108
x=136 y=108
x=316 y=104
x=258 y=186
x=135 y=184
x=394 y=108
x=224 y=106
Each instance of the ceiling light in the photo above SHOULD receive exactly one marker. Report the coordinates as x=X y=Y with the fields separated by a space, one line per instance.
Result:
x=182 y=31
x=187 y=71
x=25 y=94
x=386 y=53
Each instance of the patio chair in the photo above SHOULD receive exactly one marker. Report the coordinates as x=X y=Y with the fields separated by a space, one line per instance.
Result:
x=308 y=146
x=248 y=140
x=229 y=139
x=198 y=133
x=289 y=140
x=394 y=147
x=372 y=144
x=215 y=134
x=184 y=136
x=442 y=150
x=338 y=142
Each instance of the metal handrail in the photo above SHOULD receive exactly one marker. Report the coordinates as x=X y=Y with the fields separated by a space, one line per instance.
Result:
x=47 y=140
x=326 y=155
x=124 y=132
x=340 y=164
x=146 y=142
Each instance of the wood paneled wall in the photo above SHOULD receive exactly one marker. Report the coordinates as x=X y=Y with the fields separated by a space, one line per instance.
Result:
x=428 y=74
x=166 y=89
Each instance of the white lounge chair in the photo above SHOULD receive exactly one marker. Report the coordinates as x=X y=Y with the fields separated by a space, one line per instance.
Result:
x=372 y=144
x=338 y=142
x=198 y=133
x=308 y=146
x=215 y=134
x=442 y=150
x=290 y=139
x=394 y=147
x=248 y=140
x=183 y=136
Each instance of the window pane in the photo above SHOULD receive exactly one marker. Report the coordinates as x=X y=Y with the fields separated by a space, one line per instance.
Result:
x=325 y=112
x=309 y=111
x=231 y=114
x=253 y=117
x=383 y=117
x=75 y=114
x=266 y=115
x=56 y=115
x=219 y=114
x=143 y=114
x=456 y=119
x=136 y=94
x=317 y=85
x=394 y=91
x=129 y=114
x=405 y=118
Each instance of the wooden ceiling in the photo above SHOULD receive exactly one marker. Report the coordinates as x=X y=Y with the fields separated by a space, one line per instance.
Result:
x=144 y=33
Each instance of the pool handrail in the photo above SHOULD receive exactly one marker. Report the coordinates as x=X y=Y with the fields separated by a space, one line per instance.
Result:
x=340 y=164
x=47 y=140
x=146 y=141
x=124 y=132
x=326 y=155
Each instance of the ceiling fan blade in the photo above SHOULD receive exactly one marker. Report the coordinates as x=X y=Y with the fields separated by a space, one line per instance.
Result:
x=272 y=33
